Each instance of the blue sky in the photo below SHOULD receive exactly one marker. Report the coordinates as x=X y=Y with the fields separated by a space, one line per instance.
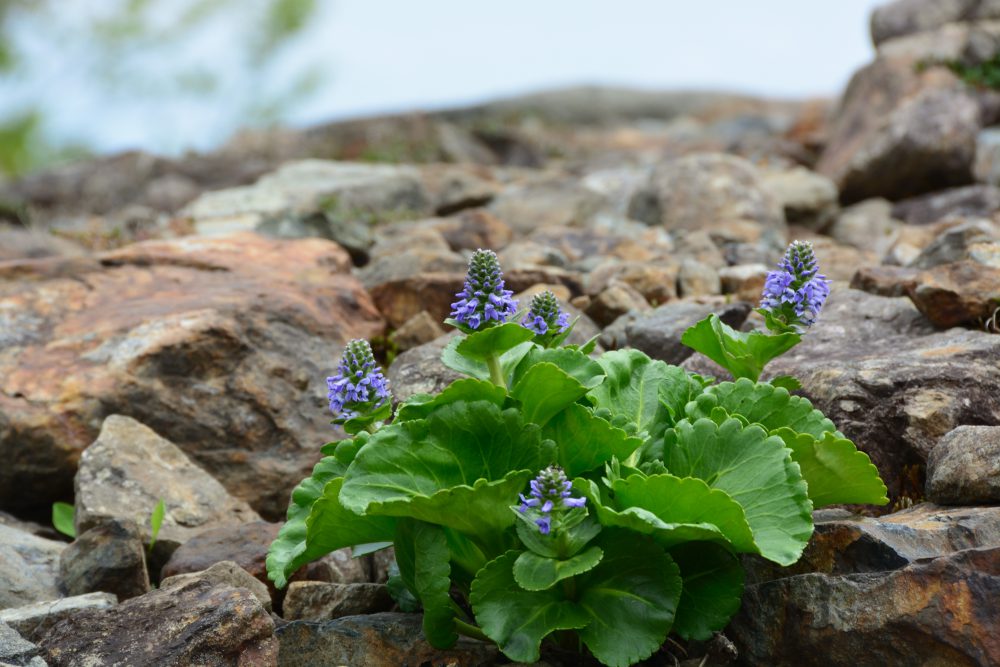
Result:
x=394 y=55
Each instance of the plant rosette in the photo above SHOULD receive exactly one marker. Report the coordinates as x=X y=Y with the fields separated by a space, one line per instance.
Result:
x=594 y=503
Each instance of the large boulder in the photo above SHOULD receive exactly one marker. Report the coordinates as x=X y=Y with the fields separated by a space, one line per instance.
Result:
x=219 y=345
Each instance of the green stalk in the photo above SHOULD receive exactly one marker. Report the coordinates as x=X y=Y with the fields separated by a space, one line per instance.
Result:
x=471 y=631
x=496 y=370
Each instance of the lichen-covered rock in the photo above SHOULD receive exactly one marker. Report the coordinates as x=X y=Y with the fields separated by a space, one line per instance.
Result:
x=964 y=467
x=35 y=620
x=374 y=640
x=129 y=469
x=29 y=567
x=225 y=573
x=108 y=557
x=322 y=601
x=219 y=345
x=197 y=623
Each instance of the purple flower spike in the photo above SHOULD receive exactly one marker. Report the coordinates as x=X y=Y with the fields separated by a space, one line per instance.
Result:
x=550 y=496
x=544 y=315
x=796 y=292
x=483 y=300
x=359 y=385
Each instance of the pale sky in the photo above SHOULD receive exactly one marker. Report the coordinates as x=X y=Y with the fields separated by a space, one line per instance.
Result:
x=396 y=55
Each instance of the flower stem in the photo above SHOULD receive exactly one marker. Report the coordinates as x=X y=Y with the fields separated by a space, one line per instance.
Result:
x=496 y=370
x=470 y=631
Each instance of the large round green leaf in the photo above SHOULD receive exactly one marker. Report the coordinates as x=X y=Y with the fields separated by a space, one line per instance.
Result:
x=743 y=354
x=756 y=470
x=516 y=619
x=761 y=403
x=585 y=441
x=575 y=363
x=713 y=588
x=466 y=389
x=836 y=472
x=636 y=387
x=630 y=599
x=544 y=390
x=496 y=340
x=536 y=573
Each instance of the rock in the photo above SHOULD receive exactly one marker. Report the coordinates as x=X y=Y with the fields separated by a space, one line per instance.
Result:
x=807 y=198
x=970 y=201
x=197 y=623
x=128 y=470
x=867 y=225
x=700 y=245
x=839 y=261
x=406 y=250
x=225 y=573
x=419 y=329
x=962 y=467
x=474 y=229
x=34 y=244
x=986 y=167
x=616 y=300
x=109 y=558
x=374 y=640
x=958 y=293
x=906 y=17
x=420 y=371
x=696 y=191
x=876 y=367
x=339 y=191
x=898 y=133
x=884 y=280
x=625 y=240
x=247 y=545
x=546 y=203
x=29 y=567
x=658 y=332
x=34 y=621
x=17 y=651
x=955 y=242
x=221 y=346
x=454 y=188
x=745 y=281
x=930 y=612
x=697 y=279
x=321 y=601
x=400 y=299
x=656 y=282
x=525 y=254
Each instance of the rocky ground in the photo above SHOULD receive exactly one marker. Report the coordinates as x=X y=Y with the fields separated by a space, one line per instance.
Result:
x=166 y=328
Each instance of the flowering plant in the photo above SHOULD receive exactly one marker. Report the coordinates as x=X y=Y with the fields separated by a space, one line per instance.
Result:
x=595 y=503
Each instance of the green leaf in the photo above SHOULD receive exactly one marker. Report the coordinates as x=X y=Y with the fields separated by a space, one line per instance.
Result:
x=287 y=553
x=761 y=403
x=463 y=452
x=678 y=502
x=516 y=619
x=756 y=470
x=480 y=345
x=361 y=423
x=155 y=522
x=639 y=388
x=835 y=471
x=576 y=364
x=630 y=597
x=576 y=530
x=537 y=573
x=478 y=369
x=423 y=558
x=400 y=592
x=585 y=441
x=713 y=588
x=742 y=354
x=327 y=526
x=466 y=389
x=62 y=519
x=785 y=382
x=544 y=390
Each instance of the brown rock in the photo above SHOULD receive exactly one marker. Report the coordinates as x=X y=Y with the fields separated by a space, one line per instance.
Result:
x=955 y=294
x=194 y=624
x=419 y=329
x=907 y=17
x=962 y=468
x=546 y=203
x=474 y=229
x=970 y=201
x=657 y=283
x=616 y=300
x=401 y=299
x=219 y=345
x=109 y=558
x=884 y=280
x=225 y=573
x=34 y=621
x=322 y=601
x=745 y=281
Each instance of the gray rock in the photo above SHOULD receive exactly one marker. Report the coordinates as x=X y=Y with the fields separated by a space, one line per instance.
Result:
x=321 y=601
x=970 y=201
x=963 y=467
x=697 y=191
x=986 y=168
x=374 y=640
x=225 y=573
x=193 y=624
x=34 y=621
x=658 y=332
x=906 y=17
x=808 y=199
x=867 y=225
x=16 y=651
x=29 y=567
x=419 y=329
x=614 y=301
x=130 y=468
x=954 y=244
x=109 y=557
x=697 y=279
x=745 y=281
x=547 y=203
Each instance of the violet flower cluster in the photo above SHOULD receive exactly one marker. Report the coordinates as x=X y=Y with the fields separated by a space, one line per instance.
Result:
x=359 y=385
x=544 y=315
x=483 y=301
x=796 y=292
x=550 y=495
